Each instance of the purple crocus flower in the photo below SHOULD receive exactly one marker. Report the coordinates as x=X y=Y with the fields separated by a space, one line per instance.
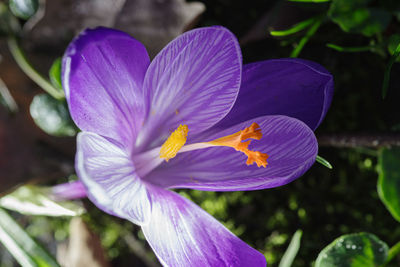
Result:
x=180 y=121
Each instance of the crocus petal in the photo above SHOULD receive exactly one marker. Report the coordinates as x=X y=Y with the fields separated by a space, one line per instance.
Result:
x=71 y=190
x=182 y=234
x=194 y=80
x=293 y=87
x=290 y=144
x=110 y=179
x=102 y=74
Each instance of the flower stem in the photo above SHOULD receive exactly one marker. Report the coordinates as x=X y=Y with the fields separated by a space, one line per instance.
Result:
x=27 y=68
x=393 y=251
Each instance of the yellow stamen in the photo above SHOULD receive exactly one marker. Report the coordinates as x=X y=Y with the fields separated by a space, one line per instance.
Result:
x=174 y=143
x=235 y=141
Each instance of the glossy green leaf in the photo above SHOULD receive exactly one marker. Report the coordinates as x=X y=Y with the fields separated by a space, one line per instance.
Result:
x=52 y=116
x=24 y=9
x=34 y=200
x=24 y=249
x=354 y=250
x=291 y=252
x=389 y=180
x=356 y=17
x=55 y=73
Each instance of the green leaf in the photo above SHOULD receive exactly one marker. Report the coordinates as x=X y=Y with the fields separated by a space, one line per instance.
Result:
x=354 y=250
x=389 y=180
x=34 y=200
x=324 y=162
x=291 y=251
x=356 y=17
x=55 y=73
x=294 y=29
x=52 y=116
x=24 y=249
x=24 y=9
x=386 y=76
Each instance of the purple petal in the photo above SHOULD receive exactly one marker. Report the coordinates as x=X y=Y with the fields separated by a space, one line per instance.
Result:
x=182 y=234
x=293 y=87
x=103 y=72
x=194 y=80
x=71 y=190
x=110 y=179
x=290 y=144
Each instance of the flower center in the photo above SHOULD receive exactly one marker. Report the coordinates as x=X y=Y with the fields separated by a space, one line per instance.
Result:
x=176 y=143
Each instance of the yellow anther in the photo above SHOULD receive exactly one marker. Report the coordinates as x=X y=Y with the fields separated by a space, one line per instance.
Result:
x=235 y=141
x=174 y=143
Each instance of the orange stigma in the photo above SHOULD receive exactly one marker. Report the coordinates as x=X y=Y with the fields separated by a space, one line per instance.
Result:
x=235 y=141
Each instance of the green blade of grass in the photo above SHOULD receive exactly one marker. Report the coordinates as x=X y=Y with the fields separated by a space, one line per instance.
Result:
x=24 y=249
x=295 y=28
x=15 y=250
x=354 y=49
x=311 y=31
x=291 y=251
x=6 y=98
x=324 y=162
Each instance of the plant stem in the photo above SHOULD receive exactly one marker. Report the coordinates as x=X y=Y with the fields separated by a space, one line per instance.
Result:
x=27 y=68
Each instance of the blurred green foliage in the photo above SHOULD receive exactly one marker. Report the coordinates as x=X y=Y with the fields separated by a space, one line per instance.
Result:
x=357 y=17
